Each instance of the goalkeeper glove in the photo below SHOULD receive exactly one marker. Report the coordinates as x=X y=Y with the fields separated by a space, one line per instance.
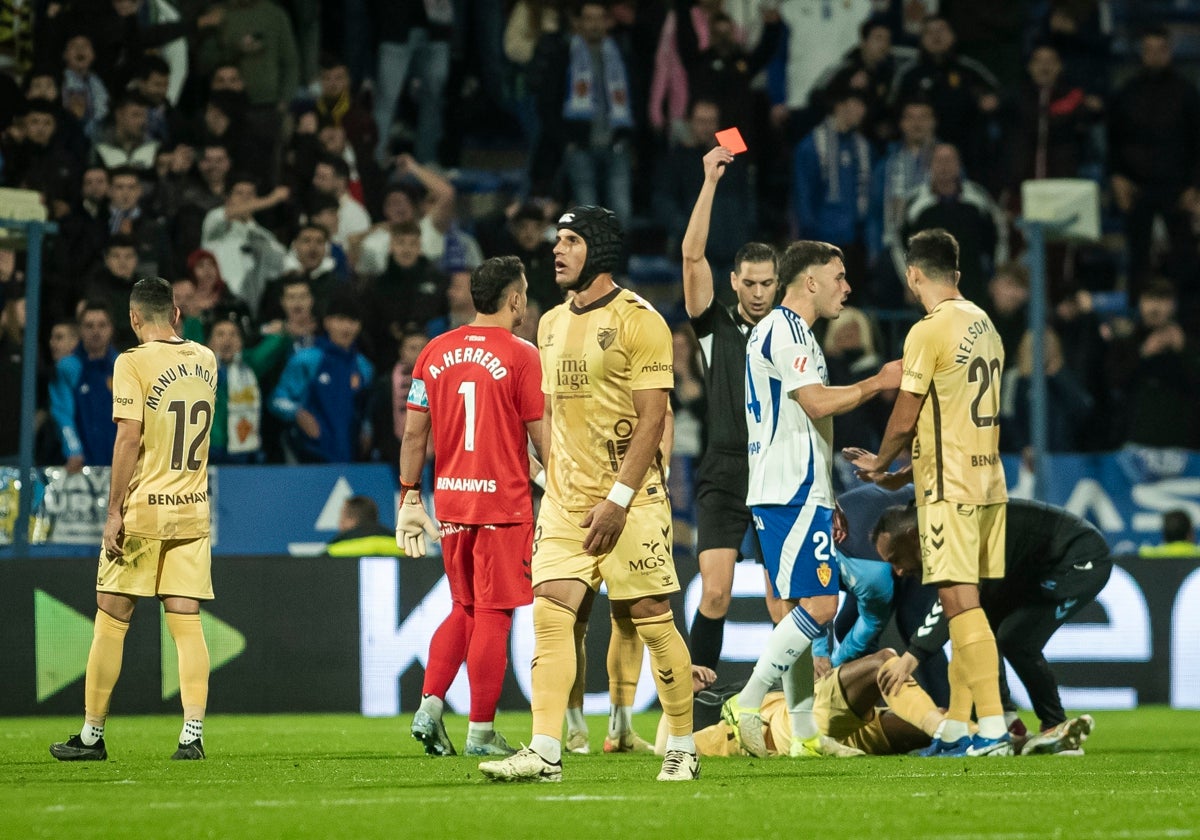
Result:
x=412 y=524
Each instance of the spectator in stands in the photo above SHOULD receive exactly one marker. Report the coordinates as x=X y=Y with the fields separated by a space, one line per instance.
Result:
x=81 y=238
x=1154 y=159
x=1080 y=30
x=965 y=209
x=213 y=301
x=81 y=393
x=366 y=178
x=256 y=37
x=126 y=142
x=521 y=231
x=1007 y=305
x=410 y=289
x=249 y=255
x=112 y=282
x=331 y=178
x=83 y=92
x=903 y=169
x=850 y=344
x=597 y=116
x=164 y=122
x=815 y=42
x=871 y=68
x=1069 y=404
x=236 y=436
x=360 y=533
x=680 y=174
x=204 y=190
x=392 y=398
x=460 y=308
x=1155 y=375
x=414 y=42
x=1084 y=350
x=309 y=257
x=721 y=73
x=961 y=90
x=127 y=217
x=323 y=392
x=1048 y=123
x=831 y=182
x=43 y=84
x=299 y=328
x=223 y=123
x=368 y=252
x=12 y=337
x=39 y=160
x=1178 y=537
x=336 y=105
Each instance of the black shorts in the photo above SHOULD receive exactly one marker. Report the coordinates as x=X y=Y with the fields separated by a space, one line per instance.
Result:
x=722 y=517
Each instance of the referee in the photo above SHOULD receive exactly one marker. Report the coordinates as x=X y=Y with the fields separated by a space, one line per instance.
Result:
x=1055 y=564
x=721 y=513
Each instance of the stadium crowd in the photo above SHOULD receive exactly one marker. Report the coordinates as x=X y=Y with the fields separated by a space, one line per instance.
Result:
x=297 y=172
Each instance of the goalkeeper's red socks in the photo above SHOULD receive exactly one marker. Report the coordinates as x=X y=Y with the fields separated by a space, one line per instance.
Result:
x=487 y=661
x=447 y=650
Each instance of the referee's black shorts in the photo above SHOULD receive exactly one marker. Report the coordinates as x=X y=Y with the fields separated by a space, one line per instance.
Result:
x=721 y=513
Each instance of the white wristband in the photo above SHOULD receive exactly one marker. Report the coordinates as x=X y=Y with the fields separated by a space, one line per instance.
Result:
x=621 y=494
x=540 y=479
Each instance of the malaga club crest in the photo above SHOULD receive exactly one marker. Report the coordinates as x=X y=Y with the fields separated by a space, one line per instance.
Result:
x=606 y=336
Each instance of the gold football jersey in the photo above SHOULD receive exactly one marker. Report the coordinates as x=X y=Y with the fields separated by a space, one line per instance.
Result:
x=953 y=357
x=170 y=386
x=592 y=361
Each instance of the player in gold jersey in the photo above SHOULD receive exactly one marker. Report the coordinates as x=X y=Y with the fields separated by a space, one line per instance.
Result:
x=156 y=537
x=948 y=408
x=606 y=374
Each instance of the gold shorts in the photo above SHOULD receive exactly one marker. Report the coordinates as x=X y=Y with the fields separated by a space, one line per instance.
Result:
x=961 y=543
x=871 y=739
x=151 y=567
x=639 y=566
x=832 y=713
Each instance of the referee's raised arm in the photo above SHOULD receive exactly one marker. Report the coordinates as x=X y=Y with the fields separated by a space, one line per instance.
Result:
x=697 y=273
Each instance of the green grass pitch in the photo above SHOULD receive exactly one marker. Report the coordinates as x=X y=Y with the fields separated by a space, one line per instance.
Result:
x=344 y=776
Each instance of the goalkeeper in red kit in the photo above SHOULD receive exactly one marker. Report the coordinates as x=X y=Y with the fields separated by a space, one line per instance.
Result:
x=477 y=389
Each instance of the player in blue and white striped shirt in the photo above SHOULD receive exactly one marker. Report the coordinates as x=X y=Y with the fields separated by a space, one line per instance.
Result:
x=789 y=419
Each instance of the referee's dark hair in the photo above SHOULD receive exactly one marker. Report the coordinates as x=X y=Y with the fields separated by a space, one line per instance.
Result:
x=895 y=520
x=1177 y=526
x=154 y=298
x=935 y=252
x=755 y=252
x=490 y=281
x=805 y=254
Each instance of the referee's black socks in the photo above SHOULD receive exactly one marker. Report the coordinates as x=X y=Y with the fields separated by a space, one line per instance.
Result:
x=708 y=634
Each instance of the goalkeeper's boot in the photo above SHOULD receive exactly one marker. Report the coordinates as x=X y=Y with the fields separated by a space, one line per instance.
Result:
x=431 y=732
x=577 y=742
x=525 y=766
x=73 y=749
x=747 y=725
x=191 y=751
x=822 y=746
x=679 y=766
x=496 y=745
x=628 y=742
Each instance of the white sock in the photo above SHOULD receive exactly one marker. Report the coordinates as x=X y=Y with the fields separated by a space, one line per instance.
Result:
x=804 y=725
x=432 y=706
x=620 y=721
x=785 y=644
x=1009 y=718
x=576 y=722
x=992 y=726
x=90 y=734
x=547 y=747
x=681 y=742
x=193 y=730
x=479 y=732
x=952 y=730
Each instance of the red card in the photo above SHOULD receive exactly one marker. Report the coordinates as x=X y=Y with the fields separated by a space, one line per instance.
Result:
x=732 y=140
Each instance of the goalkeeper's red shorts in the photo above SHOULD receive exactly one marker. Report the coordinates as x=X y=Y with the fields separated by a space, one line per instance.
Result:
x=488 y=565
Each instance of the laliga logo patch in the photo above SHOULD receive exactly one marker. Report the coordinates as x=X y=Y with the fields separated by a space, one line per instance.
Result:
x=824 y=574
x=800 y=364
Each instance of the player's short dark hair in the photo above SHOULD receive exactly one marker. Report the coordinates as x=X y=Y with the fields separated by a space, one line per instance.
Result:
x=805 y=254
x=154 y=298
x=1177 y=526
x=755 y=252
x=935 y=252
x=490 y=281
x=362 y=509
x=120 y=240
x=93 y=305
x=337 y=164
x=895 y=520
